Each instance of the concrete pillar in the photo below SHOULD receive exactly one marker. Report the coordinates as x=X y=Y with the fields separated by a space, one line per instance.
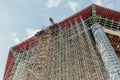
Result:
x=107 y=52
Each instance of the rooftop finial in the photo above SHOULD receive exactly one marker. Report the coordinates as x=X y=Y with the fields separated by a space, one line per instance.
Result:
x=51 y=21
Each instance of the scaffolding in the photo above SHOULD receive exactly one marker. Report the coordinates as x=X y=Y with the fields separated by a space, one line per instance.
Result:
x=68 y=50
x=62 y=54
x=35 y=63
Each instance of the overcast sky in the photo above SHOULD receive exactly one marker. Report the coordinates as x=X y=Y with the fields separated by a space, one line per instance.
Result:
x=20 y=19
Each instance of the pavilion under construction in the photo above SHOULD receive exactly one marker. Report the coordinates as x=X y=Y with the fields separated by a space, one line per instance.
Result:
x=85 y=46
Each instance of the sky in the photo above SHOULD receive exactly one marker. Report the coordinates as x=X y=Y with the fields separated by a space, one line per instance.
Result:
x=21 y=19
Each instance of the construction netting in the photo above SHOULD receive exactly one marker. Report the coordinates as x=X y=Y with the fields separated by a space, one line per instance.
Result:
x=63 y=54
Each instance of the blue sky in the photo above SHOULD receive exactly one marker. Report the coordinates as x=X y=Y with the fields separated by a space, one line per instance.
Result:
x=20 y=19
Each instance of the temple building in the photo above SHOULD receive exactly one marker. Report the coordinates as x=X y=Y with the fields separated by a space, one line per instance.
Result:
x=84 y=46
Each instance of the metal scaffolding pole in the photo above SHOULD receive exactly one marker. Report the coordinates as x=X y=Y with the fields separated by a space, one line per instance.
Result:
x=107 y=52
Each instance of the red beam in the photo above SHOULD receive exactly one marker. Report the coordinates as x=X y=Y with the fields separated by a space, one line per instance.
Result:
x=9 y=66
x=25 y=45
x=85 y=13
x=108 y=13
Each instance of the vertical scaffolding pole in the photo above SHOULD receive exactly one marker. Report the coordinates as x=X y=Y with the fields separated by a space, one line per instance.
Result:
x=107 y=53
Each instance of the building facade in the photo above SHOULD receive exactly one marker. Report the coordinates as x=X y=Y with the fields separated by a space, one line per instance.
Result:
x=85 y=46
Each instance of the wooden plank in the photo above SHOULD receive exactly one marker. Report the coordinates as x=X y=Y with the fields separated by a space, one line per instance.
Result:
x=117 y=33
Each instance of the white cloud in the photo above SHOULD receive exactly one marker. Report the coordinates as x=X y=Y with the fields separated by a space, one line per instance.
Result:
x=110 y=6
x=106 y=3
x=31 y=32
x=4 y=42
x=73 y=5
x=53 y=3
x=15 y=38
